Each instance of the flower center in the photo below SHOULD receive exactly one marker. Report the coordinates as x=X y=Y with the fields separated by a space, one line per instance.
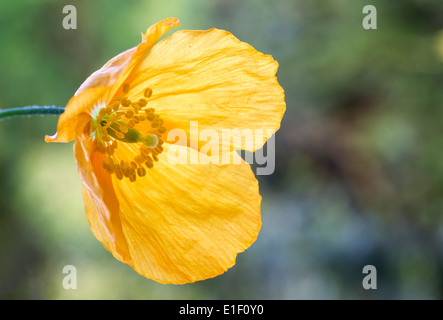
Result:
x=116 y=123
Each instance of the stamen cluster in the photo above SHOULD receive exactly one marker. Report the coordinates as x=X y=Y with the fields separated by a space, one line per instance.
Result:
x=116 y=123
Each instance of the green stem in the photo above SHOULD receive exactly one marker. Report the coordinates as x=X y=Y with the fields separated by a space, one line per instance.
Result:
x=30 y=111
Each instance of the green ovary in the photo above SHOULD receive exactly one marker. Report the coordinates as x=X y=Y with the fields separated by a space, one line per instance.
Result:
x=132 y=135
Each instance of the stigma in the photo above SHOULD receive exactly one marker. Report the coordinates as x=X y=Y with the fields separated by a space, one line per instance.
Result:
x=120 y=121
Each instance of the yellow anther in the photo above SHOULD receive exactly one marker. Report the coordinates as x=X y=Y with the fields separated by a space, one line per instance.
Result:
x=111 y=163
x=158 y=149
x=119 y=173
x=142 y=102
x=128 y=171
x=115 y=106
x=139 y=159
x=148 y=92
x=150 y=116
x=131 y=124
x=126 y=102
x=123 y=128
x=141 y=171
x=129 y=114
x=119 y=135
x=108 y=167
x=125 y=88
x=144 y=151
x=110 y=150
x=100 y=146
x=149 y=164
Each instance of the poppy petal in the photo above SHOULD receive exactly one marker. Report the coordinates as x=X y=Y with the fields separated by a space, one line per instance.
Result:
x=183 y=222
x=116 y=70
x=212 y=78
x=101 y=204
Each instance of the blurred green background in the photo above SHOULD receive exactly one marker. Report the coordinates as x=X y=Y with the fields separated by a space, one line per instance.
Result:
x=359 y=156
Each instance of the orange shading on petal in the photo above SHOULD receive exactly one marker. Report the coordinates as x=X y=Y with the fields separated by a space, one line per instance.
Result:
x=70 y=120
x=103 y=214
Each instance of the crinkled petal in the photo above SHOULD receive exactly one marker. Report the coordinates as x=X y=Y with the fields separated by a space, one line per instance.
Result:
x=149 y=39
x=214 y=79
x=116 y=70
x=185 y=222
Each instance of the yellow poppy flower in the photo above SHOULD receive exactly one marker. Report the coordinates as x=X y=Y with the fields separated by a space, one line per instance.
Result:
x=173 y=223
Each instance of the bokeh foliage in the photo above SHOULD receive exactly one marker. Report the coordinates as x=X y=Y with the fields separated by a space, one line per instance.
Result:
x=359 y=163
